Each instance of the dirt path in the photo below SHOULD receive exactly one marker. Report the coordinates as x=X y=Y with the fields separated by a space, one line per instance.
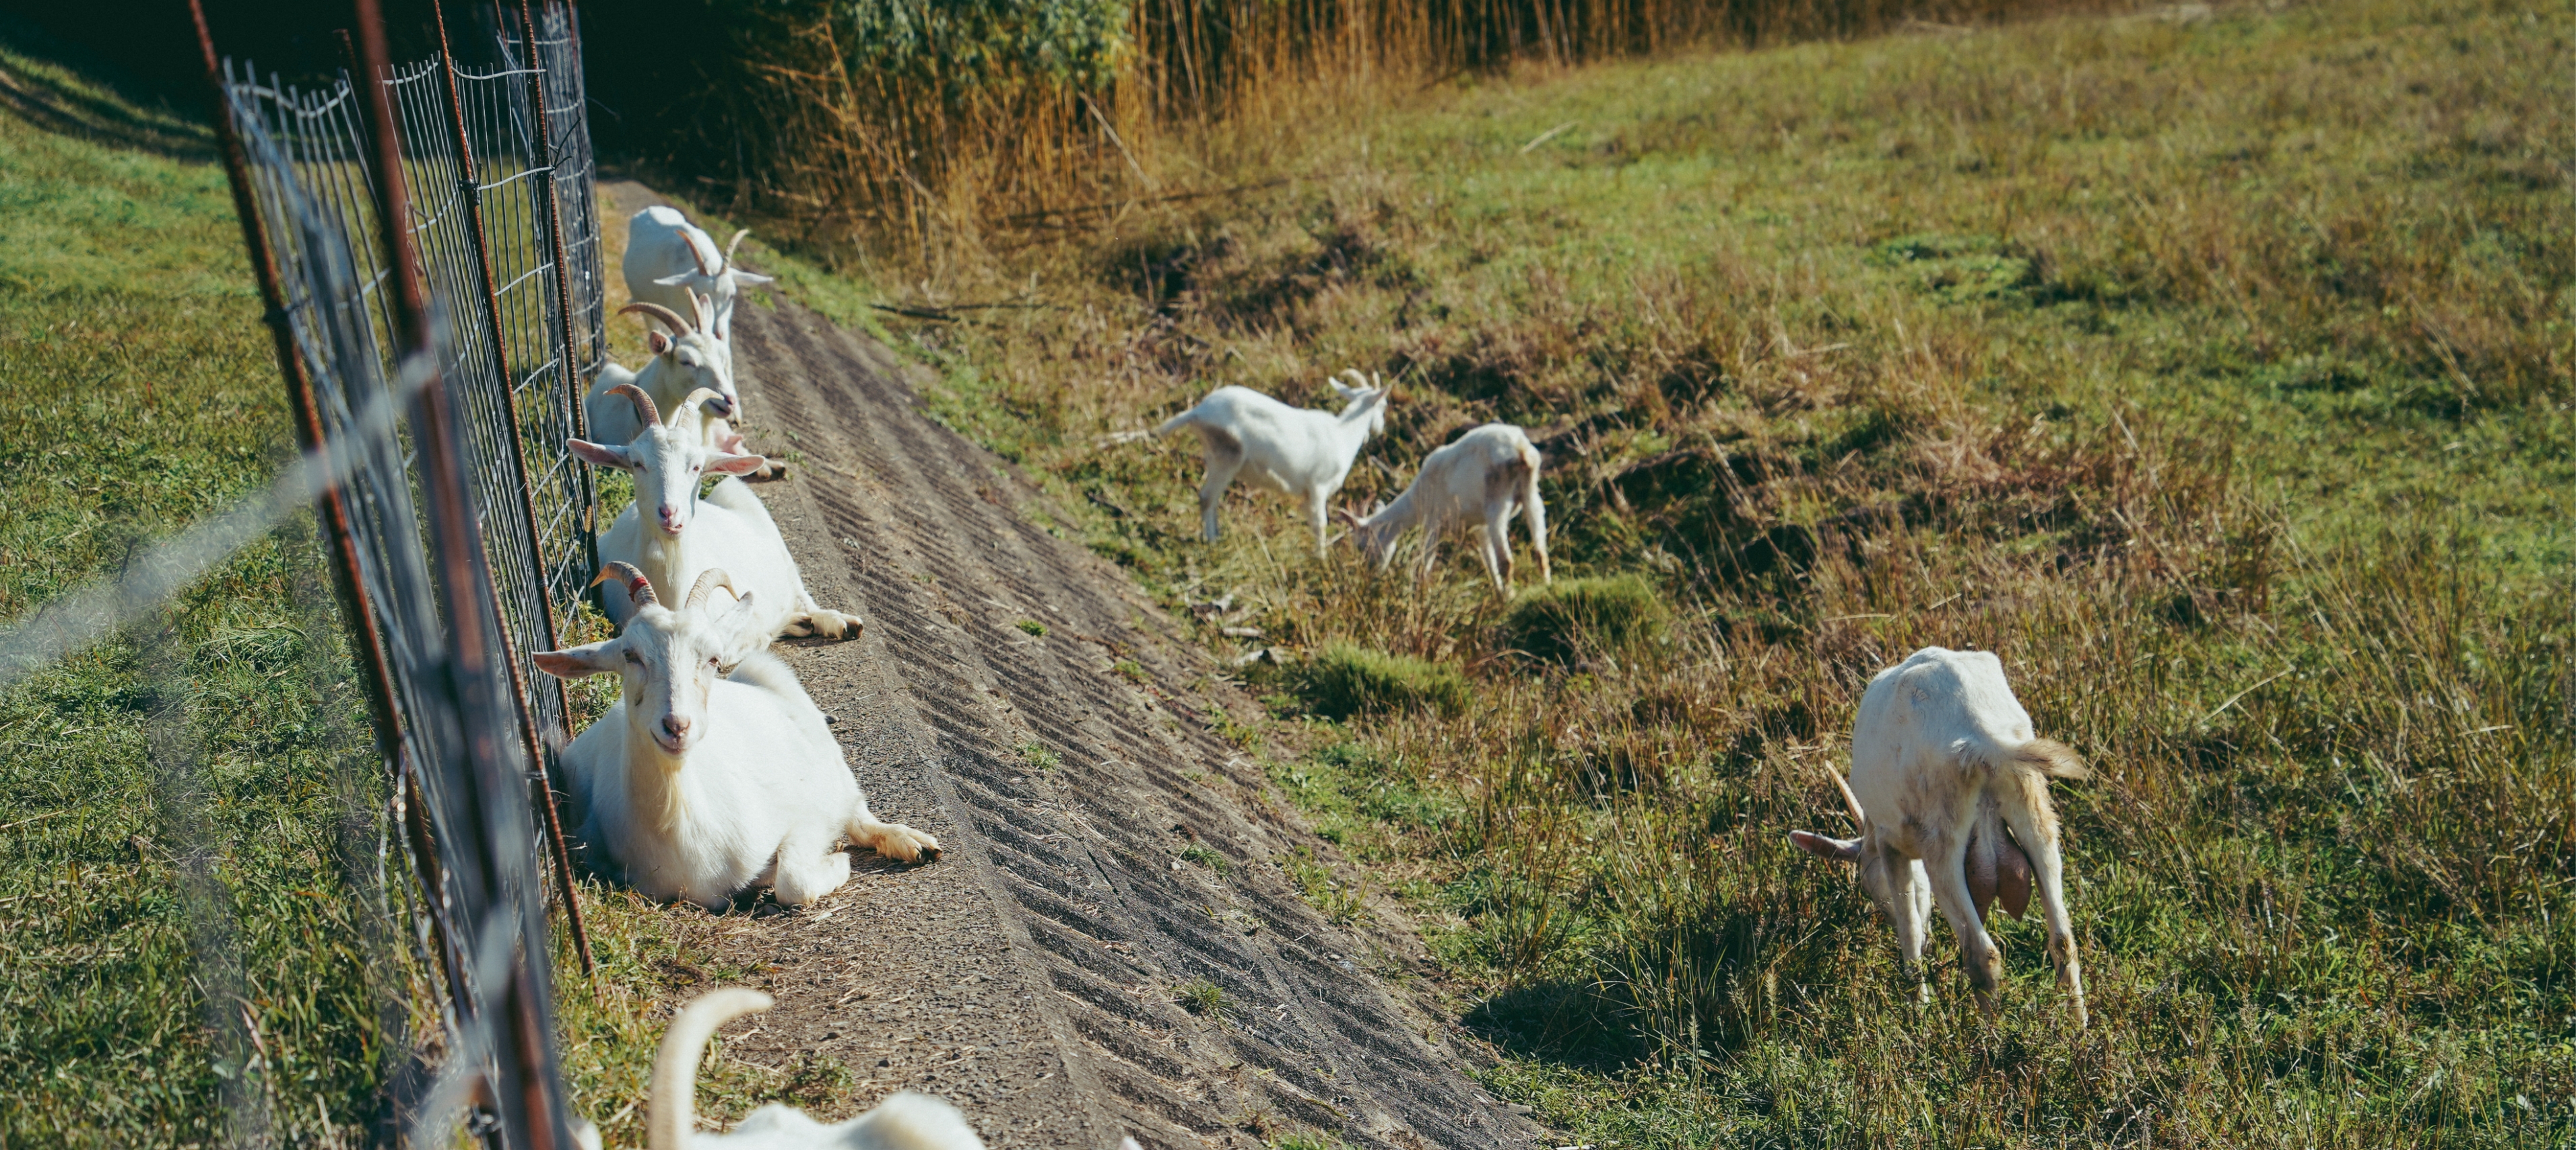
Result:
x=1031 y=976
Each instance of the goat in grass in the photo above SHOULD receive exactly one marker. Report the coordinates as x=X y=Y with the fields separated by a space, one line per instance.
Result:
x=1479 y=479
x=1944 y=764
x=1297 y=450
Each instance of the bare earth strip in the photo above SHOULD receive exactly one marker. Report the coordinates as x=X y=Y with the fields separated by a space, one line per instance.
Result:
x=1030 y=976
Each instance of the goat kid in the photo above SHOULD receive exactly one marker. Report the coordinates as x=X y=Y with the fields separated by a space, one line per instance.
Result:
x=907 y=1121
x=687 y=535
x=1295 y=450
x=1479 y=479
x=669 y=259
x=1943 y=765
x=697 y=784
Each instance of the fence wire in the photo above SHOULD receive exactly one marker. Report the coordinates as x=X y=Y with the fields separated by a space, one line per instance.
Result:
x=495 y=161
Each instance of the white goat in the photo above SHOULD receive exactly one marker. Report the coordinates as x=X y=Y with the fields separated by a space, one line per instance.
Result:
x=687 y=535
x=1943 y=761
x=669 y=259
x=691 y=359
x=1296 y=450
x=907 y=1121
x=697 y=784
x=1479 y=479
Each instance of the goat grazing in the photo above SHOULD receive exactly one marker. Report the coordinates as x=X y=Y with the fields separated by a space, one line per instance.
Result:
x=669 y=259
x=906 y=1121
x=696 y=783
x=1477 y=479
x=687 y=535
x=1943 y=763
x=1296 y=450
x=691 y=359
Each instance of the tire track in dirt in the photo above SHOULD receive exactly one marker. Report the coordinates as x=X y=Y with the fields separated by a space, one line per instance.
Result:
x=1031 y=975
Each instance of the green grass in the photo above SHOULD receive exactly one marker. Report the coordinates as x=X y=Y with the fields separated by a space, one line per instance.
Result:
x=2213 y=371
x=142 y=393
x=1343 y=679
x=1572 y=617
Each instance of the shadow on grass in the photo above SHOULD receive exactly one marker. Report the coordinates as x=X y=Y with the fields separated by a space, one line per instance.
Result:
x=52 y=96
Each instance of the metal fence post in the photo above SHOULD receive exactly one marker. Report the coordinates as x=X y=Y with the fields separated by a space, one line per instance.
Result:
x=478 y=233
x=524 y=1079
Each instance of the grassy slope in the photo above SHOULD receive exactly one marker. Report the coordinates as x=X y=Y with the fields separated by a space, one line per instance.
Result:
x=140 y=393
x=2213 y=372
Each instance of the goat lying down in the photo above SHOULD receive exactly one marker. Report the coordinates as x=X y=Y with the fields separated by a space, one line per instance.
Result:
x=693 y=359
x=907 y=1121
x=668 y=258
x=1950 y=789
x=697 y=784
x=671 y=534
x=1295 y=450
x=1479 y=479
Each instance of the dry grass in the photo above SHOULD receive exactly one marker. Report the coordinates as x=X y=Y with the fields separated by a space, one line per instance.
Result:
x=2209 y=368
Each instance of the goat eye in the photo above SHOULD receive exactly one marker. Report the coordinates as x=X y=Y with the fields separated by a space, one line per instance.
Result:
x=632 y=658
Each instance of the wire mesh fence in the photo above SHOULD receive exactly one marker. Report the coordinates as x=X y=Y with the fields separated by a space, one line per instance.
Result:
x=416 y=227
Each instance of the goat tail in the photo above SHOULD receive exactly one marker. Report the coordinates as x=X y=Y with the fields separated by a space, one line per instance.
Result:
x=2048 y=758
x=675 y=1068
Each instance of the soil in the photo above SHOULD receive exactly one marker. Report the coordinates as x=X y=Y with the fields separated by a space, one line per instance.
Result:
x=1035 y=975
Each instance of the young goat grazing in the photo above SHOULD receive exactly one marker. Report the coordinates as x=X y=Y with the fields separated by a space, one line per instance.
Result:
x=907 y=1121
x=688 y=361
x=685 y=535
x=697 y=784
x=669 y=259
x=1296 y=450
x=1478 y=479
x=1943 y=761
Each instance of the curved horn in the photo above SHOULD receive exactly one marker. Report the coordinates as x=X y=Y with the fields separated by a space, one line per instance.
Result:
x=1849 y=799
x=637 y=586
x=695 y=398
x=702 y=249
x=659 y=312
x=737 y=242
x=643 y=403
x=709 y=580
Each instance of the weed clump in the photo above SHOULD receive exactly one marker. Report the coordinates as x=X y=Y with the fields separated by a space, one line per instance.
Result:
x=1345 y=679
x=1564 y=618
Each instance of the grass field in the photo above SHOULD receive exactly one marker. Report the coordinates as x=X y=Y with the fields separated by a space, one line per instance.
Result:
x=2209 y=366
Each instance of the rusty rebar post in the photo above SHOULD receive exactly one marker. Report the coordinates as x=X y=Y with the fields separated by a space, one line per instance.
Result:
x=469 y=185
x=539 y=1108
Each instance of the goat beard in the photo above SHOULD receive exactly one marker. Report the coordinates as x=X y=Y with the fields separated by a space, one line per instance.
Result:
x=1996 y=866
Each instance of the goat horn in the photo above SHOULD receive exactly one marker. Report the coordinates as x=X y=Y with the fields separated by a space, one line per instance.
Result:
x=702 y=248
x=643 y=403
x=705 y=306
x=637 y=586
x=659 y=312
x=1849 y=799
x=737 y=242
x=695 y=398
x=709 y=580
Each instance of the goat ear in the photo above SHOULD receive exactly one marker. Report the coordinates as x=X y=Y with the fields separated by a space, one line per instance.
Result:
x=743 y=277
x=1829 y=849
x=602 y=454
x=735 y=464
x=658 y=343
x=575 y=662
x=677 y=280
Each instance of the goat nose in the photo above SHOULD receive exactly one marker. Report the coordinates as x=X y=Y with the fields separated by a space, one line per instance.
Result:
x=670 y=518
x=677 y=726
